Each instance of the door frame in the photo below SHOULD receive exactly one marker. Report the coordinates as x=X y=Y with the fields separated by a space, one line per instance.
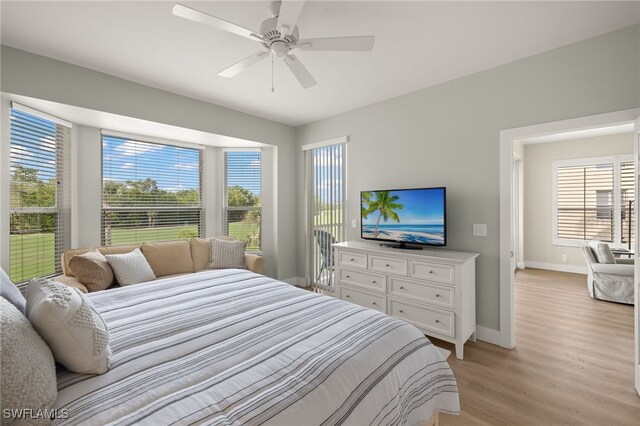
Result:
x=507 y=139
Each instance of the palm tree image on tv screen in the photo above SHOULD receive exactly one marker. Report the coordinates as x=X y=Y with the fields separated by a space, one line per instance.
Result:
x=410 y=215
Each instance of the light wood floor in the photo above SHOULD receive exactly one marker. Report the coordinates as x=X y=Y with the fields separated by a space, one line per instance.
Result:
x=572 y=365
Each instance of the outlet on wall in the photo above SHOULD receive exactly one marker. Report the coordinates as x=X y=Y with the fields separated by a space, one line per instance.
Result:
x=480 y=229
x=565 y=257
x=354 y=223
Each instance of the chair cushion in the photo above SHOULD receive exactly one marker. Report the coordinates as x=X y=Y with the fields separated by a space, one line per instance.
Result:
x=601 y=251
x=11 y=293
x=169 y=258
x=68 y=322
x=92 y=270
x=227 y=254
x=130 y=268
x=28 y=371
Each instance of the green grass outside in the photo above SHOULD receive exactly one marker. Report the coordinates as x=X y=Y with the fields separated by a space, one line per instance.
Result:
x=42 y=261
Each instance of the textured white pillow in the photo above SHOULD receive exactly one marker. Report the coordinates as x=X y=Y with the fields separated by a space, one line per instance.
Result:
x=227 y=254
x=130 y=268
x=68 y=322
x=28 y=373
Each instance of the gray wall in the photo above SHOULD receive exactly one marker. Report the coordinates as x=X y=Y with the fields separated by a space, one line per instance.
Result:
x=538 y=194
x=27 y=74
x=449 y=135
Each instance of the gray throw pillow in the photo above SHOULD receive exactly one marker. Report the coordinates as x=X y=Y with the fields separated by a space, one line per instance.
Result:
x=227 y=254
x=602 y=251
x=28 y=372
x=11 y=293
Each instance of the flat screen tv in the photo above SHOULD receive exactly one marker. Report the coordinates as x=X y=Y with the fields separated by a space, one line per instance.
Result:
x=405 y=217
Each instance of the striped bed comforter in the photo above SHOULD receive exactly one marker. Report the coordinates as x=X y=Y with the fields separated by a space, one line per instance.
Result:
x=232 y=347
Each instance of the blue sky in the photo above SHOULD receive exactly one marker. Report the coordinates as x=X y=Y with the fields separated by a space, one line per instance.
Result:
x=173 y=168
x=35 y=151
x=420 y=208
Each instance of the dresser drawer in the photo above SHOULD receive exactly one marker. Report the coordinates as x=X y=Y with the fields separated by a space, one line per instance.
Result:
x=375 y=281
x=388 y=265
x=432 y=319
x=352 y=260
x=361 y=298
x=432 y=272
x=442 y=296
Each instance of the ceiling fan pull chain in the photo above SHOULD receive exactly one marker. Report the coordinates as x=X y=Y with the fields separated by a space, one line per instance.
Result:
x=272 y=89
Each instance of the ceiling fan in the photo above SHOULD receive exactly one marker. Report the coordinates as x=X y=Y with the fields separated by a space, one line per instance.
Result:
x=279 y=35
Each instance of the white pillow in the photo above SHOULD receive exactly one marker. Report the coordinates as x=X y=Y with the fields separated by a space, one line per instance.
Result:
x=27 y=369
x=68 y=322
x=602 y=251
x=130 y=268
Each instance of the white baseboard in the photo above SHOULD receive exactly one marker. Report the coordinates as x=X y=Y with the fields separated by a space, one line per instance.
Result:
x=521 y=265
x=556 y=267
x=488 y=335
x=296 y=281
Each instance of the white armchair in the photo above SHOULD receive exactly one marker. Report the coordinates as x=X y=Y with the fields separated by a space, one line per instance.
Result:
x=608 y=278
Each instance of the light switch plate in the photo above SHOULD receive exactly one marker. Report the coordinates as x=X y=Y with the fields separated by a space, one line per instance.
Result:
x=354 y=223
x=480 y=229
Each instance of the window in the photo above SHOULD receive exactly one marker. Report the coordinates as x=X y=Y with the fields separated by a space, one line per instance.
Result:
x=594 y=199
x=325 y=175
x=242 y=196
x=150 y=192
x=39 y=195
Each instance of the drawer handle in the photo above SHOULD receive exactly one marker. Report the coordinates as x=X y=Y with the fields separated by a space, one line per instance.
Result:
x=352 y=260
x=431 y=272
x=374 y=303
x=387 y=265
x=348 y=276
x=374 y=282
x=401 y=288
x=401 y=311
x=348 y=297
x=437 y=295
x=437 y=321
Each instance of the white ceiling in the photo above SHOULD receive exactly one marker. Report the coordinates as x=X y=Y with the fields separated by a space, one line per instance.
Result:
x=418 y=44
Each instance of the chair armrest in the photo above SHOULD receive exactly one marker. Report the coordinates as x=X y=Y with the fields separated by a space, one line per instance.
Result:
x=613 y=269
x=621 y=261
x=71 y=282
x=254 y=263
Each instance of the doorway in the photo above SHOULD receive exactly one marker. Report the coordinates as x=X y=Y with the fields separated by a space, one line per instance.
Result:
x=507 y=140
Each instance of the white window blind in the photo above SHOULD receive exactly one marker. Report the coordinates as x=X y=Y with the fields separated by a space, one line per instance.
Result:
x=325 y=169
x=594 y=199
x=39 y=194
x=242 y=196
x=150 y=192
x=627 y=196
x=585 y=202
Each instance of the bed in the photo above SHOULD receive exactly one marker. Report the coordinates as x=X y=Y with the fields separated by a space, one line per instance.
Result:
x=230 y=346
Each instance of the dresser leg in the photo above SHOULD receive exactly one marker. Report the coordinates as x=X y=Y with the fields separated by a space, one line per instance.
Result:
x=459 y=350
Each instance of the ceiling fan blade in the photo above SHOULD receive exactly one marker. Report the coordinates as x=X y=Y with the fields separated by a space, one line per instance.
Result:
x=238 y=67
x=346 y=44
x=288 y=16
x=203 y=18
x=301 y=73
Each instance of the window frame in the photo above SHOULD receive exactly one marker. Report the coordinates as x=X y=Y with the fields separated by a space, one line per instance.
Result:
x=226 y=208
x=616 y=160
x=61 y=209
x=155 y=141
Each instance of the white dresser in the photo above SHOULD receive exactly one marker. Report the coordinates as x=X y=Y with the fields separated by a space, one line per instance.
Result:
x=435 y=290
